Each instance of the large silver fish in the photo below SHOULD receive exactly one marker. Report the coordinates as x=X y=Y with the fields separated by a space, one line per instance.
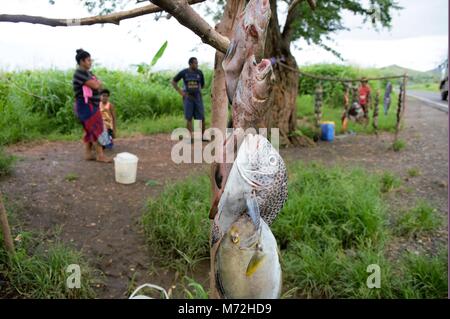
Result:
x=253 y=94
x=247 y=262
x=249 y=38
x=256 y=185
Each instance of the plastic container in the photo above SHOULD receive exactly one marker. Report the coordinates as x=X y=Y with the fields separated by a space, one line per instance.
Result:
x=125 y=165
x=327 y=129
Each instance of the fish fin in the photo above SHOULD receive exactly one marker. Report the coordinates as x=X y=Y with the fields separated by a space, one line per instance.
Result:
x=256 y=261
x=230 y=50
x=253 y=210
x=219 y=285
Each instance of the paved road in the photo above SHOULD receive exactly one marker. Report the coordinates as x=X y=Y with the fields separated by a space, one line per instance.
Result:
x=432 y=99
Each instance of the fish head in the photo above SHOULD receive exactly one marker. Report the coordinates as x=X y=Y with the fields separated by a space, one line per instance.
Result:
x=258 y=162
x=243 y=234
x=244 y=238
x=255 y=22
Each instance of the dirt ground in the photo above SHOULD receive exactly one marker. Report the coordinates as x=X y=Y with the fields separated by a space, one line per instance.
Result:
x=95 y=214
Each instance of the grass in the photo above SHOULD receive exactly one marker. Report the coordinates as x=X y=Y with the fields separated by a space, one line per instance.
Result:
x=389 y=182
x=38 y=267
x=332 y=227
x=39 y=104
x=426 y=277
x=176 y=223
x=398 y=145
x=6 y=163
x=305 y=110
x=430 y=87
x=421 y=218
x=71 y=177
x=193 y=289
x=414 y=172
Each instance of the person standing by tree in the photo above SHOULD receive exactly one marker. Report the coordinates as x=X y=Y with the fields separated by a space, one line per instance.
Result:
x=194 y=81
x=87 y=98
x=364 y=96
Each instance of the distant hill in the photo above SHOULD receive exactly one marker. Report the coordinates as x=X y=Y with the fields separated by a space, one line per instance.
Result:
x=414 y=75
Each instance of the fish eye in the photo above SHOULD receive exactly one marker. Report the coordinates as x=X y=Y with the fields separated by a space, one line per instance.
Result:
x=272 y=160
x=235 y=238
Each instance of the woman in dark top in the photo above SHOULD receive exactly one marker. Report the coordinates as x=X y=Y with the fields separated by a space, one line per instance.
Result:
x=87 y=98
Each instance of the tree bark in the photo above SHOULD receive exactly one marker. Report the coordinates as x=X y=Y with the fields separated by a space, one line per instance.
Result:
x=219 y=102
x=113 y=18
x=283 y=112
x=9 y=244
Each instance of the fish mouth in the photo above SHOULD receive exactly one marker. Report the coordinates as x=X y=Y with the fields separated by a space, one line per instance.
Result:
x=253 y=31
x=264 y=69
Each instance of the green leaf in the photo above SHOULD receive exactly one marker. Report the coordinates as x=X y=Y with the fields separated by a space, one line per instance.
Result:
x=159 y=54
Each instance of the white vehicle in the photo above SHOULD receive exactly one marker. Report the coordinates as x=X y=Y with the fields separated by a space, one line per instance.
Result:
x=443 y=85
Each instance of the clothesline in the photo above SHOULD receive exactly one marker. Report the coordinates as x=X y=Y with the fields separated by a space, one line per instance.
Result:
x=329 y=78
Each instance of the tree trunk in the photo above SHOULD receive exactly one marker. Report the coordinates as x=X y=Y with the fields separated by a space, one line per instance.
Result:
x=283 y=112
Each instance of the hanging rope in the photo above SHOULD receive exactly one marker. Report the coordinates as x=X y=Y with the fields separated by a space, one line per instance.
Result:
x=329 y=78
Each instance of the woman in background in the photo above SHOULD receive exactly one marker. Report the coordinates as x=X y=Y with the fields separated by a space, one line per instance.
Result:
x=87 y=98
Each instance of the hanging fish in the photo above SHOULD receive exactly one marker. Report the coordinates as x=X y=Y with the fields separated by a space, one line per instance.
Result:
x=248 y=39
x=256 y=184
x=247 y=262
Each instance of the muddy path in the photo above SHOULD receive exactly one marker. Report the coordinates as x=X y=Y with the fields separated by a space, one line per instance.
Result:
x=81 y=204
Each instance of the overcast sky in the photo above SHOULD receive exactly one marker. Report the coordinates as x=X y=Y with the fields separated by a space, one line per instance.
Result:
x=418 y=39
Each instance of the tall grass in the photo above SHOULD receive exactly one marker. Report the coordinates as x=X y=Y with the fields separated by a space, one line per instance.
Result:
x=333 y=226
x=38 y=104
x=176 y=223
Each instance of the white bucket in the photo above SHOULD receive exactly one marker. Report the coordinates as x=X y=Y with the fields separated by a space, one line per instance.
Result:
x=125 y=165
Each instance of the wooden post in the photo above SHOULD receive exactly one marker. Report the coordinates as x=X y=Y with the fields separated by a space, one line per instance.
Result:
x=399 y=109
x=219 y=112
x=376 y=101
x=405 y=77
x=9 y=244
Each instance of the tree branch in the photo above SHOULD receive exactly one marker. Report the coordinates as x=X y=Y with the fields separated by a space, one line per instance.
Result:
x=293 y=15
x=114 y=18
x=186 y=16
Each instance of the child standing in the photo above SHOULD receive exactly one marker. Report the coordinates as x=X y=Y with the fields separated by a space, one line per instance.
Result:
x=109 y=115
